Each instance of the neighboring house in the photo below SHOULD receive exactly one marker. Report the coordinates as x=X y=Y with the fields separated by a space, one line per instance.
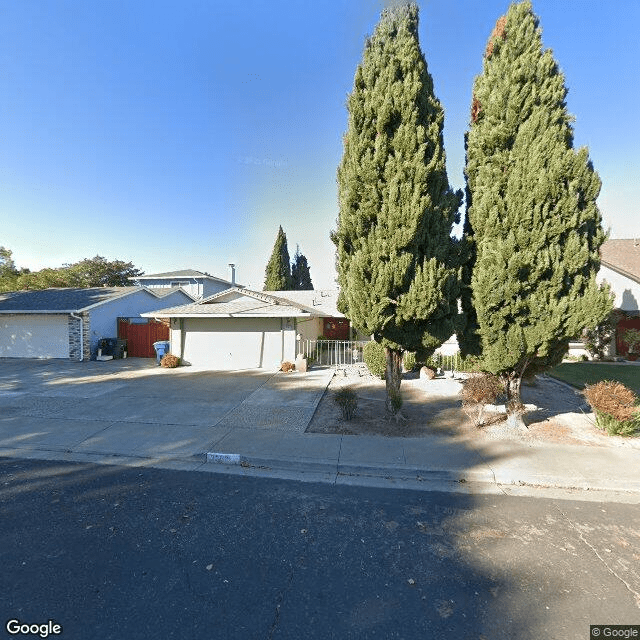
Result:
x=69 y=323
x=620 y=267
x=197 y=284
x=244 y=329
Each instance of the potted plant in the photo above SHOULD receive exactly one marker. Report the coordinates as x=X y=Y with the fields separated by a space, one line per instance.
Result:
x=632 y=338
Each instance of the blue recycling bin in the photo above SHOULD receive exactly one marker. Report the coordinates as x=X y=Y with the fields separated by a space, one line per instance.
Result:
x=161 y=347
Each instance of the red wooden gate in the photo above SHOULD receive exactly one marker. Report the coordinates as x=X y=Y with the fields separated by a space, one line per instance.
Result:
x=140 y=337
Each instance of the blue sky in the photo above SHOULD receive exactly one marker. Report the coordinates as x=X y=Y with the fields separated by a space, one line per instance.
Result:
x=181 y=134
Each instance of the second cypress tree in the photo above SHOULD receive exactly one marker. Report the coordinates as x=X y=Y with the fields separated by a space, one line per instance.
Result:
x=533 y=229
x=300 y=274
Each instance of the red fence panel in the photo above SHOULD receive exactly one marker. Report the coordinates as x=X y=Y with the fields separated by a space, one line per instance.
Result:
x=140 y=337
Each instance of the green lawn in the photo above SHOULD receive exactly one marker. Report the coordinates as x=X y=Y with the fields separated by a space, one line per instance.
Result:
x=580 y=373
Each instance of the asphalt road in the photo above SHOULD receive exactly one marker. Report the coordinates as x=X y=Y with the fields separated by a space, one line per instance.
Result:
x=128 y=553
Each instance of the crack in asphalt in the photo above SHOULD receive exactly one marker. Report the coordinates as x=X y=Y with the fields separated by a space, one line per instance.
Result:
x=337 y=472
x=631 y=590
x=280 y=600
x=493 y=474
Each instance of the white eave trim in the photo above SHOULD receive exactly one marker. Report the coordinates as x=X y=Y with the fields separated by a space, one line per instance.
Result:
x=224 y=315
x=619 y=271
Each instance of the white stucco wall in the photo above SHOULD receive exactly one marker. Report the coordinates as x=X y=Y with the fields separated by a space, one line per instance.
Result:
x=627 y=291
x=309 y=328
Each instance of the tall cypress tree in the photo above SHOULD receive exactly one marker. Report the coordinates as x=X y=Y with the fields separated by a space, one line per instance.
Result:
x=300 y=274
x=533 y=229
x=396 y=258
x=278 y=270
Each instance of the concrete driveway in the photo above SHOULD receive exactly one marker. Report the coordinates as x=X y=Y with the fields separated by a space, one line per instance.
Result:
x=126 y=407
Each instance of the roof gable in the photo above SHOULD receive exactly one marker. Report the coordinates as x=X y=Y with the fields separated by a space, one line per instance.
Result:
x=234 y=293
x=237 y=302
x=322 y=302
x=622 y=256
x=177 y=275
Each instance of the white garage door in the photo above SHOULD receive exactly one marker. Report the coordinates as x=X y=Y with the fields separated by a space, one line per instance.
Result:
x=233 y=343
x=33 y=336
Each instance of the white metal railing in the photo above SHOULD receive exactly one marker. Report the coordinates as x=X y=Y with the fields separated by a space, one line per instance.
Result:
x=349 y=352
x=331 y=352
x=446 y=362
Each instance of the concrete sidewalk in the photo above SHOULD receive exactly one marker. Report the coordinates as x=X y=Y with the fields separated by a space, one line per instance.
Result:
x=262 y=432
x=435 y=462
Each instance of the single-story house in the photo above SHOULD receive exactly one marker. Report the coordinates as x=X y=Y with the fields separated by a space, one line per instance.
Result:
x=243 y=329
x=69 y=323
x=196 y=283
x=620 y=267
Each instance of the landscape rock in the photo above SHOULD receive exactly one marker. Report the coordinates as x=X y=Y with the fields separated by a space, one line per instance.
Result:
x=427 y=373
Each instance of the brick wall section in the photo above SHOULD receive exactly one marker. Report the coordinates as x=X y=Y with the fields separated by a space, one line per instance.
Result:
x=74 y=337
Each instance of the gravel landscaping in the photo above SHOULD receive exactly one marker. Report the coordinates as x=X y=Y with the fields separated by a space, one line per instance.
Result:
x=558 y=413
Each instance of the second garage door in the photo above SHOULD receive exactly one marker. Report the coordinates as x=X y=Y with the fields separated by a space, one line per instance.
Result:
x=232 y=343
x=34 y=336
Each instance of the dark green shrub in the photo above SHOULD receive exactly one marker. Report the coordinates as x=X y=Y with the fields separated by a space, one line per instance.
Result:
x=375 y=358
x=347 y=400
x=470 y=364
x=409 y=361
x=597 y=340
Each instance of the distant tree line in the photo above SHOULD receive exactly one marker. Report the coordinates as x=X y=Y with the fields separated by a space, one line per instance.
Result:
x=90 y=272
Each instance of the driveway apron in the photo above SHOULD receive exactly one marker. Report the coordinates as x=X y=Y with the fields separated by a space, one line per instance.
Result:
x=133 y=408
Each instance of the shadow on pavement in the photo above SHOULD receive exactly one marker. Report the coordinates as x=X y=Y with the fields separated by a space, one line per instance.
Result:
x=113 y=552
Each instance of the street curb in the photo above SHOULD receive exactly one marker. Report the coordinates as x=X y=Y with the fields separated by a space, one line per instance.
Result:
x=396 y=472
x=414 y=473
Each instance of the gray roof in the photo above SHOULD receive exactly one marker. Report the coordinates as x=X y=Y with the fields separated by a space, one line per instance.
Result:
x=322 y=302
x=237 y=302
x=59 y=300
x=174 y=275
x=622 y=256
